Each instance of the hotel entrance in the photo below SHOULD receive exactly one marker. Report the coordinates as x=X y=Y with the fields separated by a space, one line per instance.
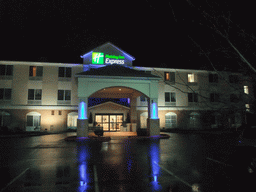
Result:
x=109 y=122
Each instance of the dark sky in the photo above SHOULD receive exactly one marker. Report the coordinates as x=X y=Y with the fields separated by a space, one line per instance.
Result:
x=156 y=33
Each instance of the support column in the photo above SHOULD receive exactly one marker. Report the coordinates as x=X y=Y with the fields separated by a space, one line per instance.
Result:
x=82 y=121
x=133 y=104
x=153 y=120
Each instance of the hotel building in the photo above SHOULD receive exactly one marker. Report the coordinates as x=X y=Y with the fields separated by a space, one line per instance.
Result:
x=107 y=90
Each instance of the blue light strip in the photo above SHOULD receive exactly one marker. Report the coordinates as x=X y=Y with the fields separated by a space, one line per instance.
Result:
x=83 y=110
x=154 y=112
x=86 y=54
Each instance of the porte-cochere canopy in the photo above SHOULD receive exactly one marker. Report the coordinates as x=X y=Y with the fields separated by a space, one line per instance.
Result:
x=93 y=81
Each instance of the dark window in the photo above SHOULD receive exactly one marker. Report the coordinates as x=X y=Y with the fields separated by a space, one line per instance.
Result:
x=5 y=94
x=234 y=98
x=68 y=71
x=29 y=120
x=67 y=95
x=65 y=71
x=6 y=70
x=213 y=78
x=167 y=97
x=214 y=97
x=34 y=94
x=52 y=112
x=142 y=98
x=31 y=94
x=61 y=72
x=64 y=95
x=192 y=97
x=59 y=112
x=2 y=69
x=60 y=94
x=1 y=94
x=233 y=79
x=170 y=97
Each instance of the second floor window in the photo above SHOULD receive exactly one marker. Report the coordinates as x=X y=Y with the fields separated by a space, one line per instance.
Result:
x=170 y=97
x=65 y=71
x=233 y=79
x=191 y=78
x=35 y=94
x=35 y=71
x=214 y=97
x=234 y=98
x=246 y=90
x=169 y=76
x=192 y=97
x=6 y=70
x=5 y=94
x=213 y=78
x=64 y=95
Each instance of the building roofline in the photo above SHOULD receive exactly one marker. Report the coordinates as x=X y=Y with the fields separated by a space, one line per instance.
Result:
x=39 y=63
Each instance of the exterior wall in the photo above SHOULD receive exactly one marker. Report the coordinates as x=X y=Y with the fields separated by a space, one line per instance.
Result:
x=20 y=84
x=50 y=84
x=49 y=122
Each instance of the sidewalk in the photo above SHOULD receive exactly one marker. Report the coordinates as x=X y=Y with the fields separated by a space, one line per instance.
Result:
x=202 y=131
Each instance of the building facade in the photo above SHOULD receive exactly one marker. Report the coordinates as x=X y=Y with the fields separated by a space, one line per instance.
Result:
x=55 y=97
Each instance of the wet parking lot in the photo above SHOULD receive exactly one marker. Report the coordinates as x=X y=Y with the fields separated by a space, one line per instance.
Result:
x=180 y=163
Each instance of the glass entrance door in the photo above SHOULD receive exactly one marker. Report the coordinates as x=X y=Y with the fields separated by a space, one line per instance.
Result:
x=109 y=122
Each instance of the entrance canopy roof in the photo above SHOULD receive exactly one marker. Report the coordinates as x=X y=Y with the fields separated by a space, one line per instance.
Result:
x=116 y=70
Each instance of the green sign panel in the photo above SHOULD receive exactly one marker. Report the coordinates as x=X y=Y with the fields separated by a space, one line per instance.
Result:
x=97 y=58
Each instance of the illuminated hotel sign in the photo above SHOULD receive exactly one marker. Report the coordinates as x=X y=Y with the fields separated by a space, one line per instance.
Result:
x=98 y=58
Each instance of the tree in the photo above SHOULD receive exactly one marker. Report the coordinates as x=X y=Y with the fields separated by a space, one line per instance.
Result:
x=213 y=31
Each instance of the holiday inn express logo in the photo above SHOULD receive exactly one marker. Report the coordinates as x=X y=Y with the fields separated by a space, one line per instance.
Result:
x=98 y=58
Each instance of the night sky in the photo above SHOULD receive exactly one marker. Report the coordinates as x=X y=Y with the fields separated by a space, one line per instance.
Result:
x=157 y=33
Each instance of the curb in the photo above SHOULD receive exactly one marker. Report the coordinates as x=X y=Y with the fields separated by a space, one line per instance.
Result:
x=104 y=139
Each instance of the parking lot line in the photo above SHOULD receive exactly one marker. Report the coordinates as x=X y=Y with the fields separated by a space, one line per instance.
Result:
x=186 y=183
x=214 y=160
x=15 y=179
x=96 y=185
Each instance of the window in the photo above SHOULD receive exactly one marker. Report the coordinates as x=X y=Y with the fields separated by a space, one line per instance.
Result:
x=233 y=79
x=214 y=97
x=35 y=71
x=64 y=95
x=213 y=78
x=192 y=97
x=194 y=120
x=247 y=107
x=59 y=112
x=52 y=112
x=170 y=97
x=6 y=70
x=5 y=94
x=191 y=78
x=34 y=94
x=142 y=98
x=169 y=76
x=234 y=98
x=5 y=118
x=170 y=120
x=65 y=71
x=33 y=121
x=246 y=90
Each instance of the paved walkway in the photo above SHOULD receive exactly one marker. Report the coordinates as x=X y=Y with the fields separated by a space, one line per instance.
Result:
x=116 y=134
